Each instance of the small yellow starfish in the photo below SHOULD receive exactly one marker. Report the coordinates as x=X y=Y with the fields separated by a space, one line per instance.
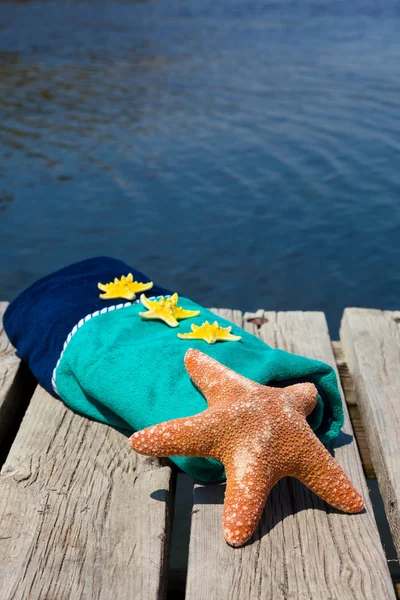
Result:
x=123 y=288
x=166 y=309
x=210 y=333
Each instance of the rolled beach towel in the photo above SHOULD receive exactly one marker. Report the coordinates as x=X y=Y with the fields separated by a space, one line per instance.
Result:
x=106 y=359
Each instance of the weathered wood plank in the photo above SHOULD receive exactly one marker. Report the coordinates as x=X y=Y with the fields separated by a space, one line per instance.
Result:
x=81 y=515
x=10 y=384
x=303 y=549
x=349 y=391
x=371 y=342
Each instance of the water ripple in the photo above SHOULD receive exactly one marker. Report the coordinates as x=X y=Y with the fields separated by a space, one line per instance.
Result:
x=245 y=153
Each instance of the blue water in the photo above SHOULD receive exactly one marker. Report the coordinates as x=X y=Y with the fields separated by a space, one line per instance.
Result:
x=245 y=153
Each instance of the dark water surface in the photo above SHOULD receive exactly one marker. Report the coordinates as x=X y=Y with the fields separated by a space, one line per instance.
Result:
x=244 y=153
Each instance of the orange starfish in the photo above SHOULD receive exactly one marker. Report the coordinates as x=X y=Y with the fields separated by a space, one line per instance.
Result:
x=260 y=434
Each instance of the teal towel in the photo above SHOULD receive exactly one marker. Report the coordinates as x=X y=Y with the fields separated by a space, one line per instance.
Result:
x=129 y=372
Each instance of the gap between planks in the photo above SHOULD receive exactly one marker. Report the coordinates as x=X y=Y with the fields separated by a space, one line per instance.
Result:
x=350 y=395
x=17 y=385
x=303 y=548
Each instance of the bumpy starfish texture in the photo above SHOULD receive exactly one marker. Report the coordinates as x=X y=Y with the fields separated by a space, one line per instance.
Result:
x=260 y=434
x=210 y=333
x=166 y=309
x=123 y=288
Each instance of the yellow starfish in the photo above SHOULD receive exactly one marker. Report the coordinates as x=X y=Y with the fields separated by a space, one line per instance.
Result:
x=210 y=333
x=123 y=288
x=166 y=309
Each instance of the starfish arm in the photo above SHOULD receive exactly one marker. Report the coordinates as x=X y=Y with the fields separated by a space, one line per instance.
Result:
x=126 y=294
x=145 y=301
x=248 y=484
x=170 y=320
x=224 y=333
x=140 y=287
x=320 y=472
x=187 y=336
x=165 y=316
x=174 y=299
x=182 y=313
x=301 y=396
x=189 y=436
x=215 y=381
x=233 y=338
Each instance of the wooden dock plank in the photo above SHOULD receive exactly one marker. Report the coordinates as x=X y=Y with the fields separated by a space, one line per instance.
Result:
x=303 y=549
x=10 y=384
x=371 y=342
x=81 y=515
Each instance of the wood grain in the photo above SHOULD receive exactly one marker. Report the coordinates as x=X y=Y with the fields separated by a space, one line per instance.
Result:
x=9 y=387
x=350 y=396
x=81 y=515
x=303 y=549
x=371 y=342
